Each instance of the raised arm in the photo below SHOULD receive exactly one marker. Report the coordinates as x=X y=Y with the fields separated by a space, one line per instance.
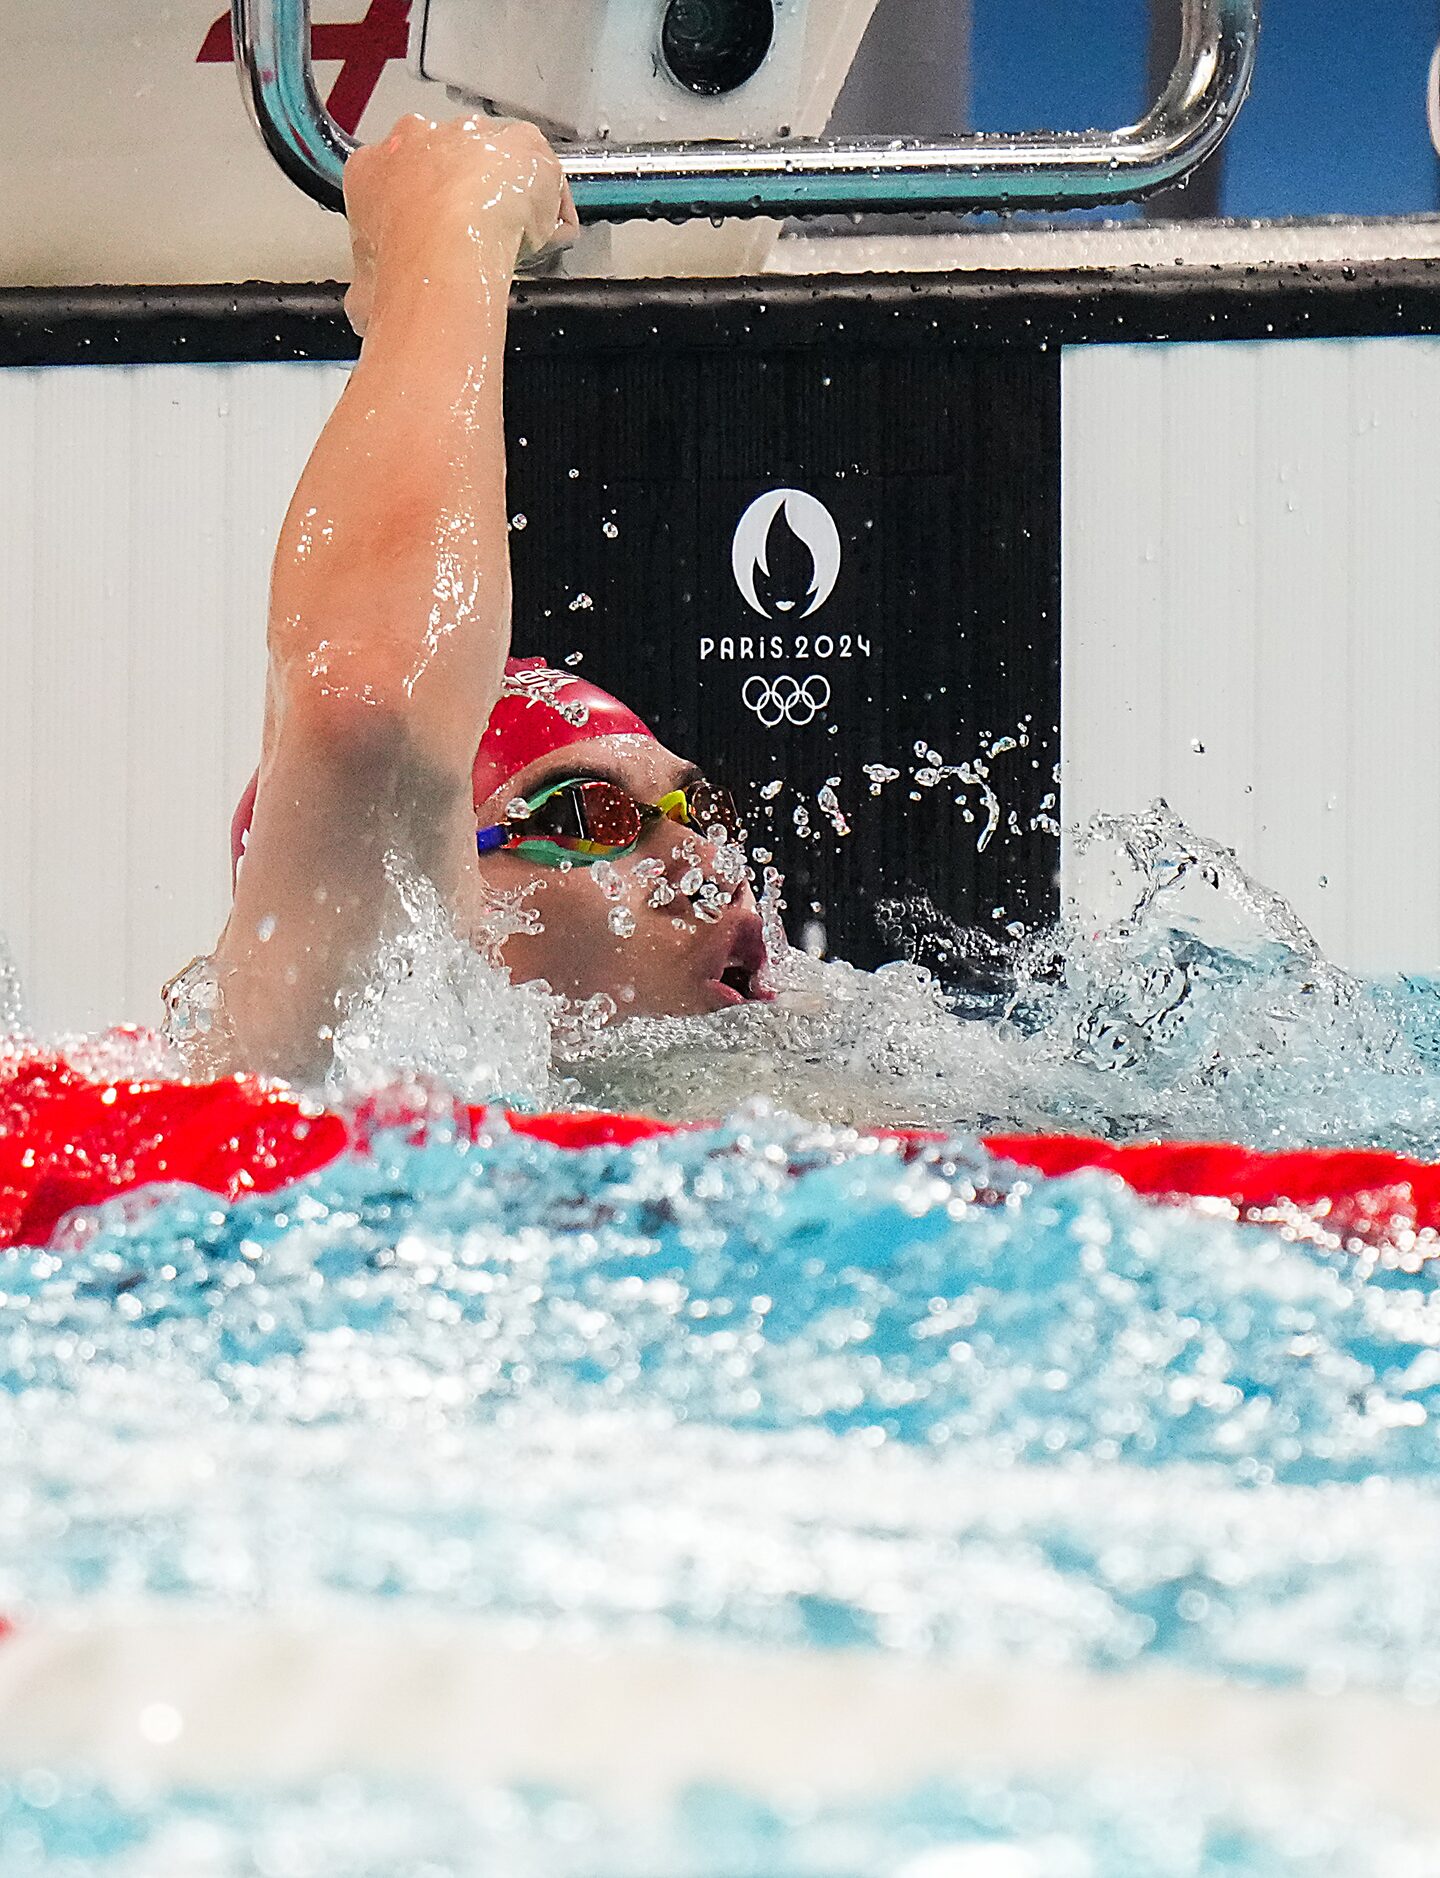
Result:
x=390 y=600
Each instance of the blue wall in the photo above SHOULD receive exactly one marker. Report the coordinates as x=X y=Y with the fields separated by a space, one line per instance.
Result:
x=1032 y=67
x=1335 y=124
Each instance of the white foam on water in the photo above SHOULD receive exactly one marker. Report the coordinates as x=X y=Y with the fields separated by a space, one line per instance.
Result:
x=438 y=1005
x=1196 y=1006
x=13 y=1020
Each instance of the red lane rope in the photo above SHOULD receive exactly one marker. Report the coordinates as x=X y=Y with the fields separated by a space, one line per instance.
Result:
x=1349 y=1196
x=68 y=1140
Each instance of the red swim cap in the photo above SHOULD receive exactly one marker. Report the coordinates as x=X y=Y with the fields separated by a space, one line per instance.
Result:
x=538 y=710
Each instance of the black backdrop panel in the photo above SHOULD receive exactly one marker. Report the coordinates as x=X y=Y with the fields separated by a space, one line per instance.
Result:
x=907 y=699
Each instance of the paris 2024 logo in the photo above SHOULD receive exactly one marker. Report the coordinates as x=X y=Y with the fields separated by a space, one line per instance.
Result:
x=786 y=560
x=786 y=554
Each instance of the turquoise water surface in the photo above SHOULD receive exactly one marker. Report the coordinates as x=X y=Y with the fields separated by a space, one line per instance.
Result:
x=773 y=1386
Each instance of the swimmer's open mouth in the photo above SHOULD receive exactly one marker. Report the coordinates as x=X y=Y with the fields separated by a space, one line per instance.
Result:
x=739 y=982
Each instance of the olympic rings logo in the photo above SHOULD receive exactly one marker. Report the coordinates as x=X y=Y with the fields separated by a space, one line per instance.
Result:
x=786 y=700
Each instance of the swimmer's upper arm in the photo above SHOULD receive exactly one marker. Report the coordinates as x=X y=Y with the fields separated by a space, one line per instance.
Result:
x=343 y=790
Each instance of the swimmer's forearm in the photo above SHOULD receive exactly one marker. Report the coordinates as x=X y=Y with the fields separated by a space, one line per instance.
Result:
x=389 y=628
x=392 y=573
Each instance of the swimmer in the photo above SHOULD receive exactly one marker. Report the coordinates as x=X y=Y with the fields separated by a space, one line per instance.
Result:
x=396 y=722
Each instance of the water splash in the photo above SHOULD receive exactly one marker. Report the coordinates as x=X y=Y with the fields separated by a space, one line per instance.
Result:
x=1202 y=1007
x=1197 y=1007
x=13 y=1020
x=438 y=1005
x=434 y=1004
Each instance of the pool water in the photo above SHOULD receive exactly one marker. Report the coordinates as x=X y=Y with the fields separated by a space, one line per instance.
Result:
x=780 y=1391
x=985 y=1828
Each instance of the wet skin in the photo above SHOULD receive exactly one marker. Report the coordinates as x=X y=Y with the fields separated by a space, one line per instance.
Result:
x=678 y=953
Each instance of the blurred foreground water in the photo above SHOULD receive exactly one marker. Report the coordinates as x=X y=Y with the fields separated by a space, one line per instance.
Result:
x=774 y=1388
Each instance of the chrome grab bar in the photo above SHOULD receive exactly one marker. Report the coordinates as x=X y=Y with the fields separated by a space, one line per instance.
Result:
x=1071 y=170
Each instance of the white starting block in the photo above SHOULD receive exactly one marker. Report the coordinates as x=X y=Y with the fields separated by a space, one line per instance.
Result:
x=641 y=71
x=646 y=71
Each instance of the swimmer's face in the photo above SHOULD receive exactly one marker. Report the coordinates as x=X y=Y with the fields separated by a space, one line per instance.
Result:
x=667 y=930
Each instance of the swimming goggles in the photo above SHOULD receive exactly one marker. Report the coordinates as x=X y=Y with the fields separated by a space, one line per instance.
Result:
x=581 y=820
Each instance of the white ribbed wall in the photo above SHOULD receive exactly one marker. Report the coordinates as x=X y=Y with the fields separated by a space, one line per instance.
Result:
x=1252 y=566
x=138 y=514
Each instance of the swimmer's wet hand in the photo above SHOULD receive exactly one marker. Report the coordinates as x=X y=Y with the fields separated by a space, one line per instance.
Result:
x=436 y=193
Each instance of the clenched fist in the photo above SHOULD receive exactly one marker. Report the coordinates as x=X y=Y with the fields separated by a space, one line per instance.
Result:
x=490 y=183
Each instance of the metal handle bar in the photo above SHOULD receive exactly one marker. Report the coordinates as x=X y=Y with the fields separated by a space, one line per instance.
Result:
x=624 y=182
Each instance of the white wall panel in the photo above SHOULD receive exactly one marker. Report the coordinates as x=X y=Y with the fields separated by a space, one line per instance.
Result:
x=138 y=514
x=1252 y=617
